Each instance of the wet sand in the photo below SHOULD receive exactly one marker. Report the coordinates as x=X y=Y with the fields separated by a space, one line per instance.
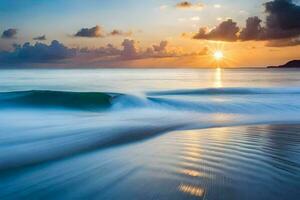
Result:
x=246 y=162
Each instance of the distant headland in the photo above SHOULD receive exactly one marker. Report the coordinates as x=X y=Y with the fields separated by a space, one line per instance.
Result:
x=290 y=64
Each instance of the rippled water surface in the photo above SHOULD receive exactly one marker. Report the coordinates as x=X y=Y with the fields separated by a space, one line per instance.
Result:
x=150 y=134
x=248 y=162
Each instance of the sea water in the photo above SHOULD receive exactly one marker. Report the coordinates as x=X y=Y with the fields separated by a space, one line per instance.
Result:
x=48 y=117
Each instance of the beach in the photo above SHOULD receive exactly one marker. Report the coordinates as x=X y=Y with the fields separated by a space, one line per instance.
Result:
x=244 y=162
x=150 y=134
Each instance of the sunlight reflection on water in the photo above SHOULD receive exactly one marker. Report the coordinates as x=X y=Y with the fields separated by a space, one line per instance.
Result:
x=218 y=78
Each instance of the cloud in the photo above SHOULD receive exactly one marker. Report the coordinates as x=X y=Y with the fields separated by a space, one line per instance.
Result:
x=282 y=26
x=98 y=31
x=189 y=5
x=39 y=52
x=283 y=42
x=162 y=46
x=42 y=37
x=130 y=49
x=184 y=4
x=109 y=50
x=9 y=33
x=163 y=7
x=90 y=32
x=117 y=32
x=253 y=29
x=225 y=31
x=58 y=53
x=282 y=19
x=282 y=22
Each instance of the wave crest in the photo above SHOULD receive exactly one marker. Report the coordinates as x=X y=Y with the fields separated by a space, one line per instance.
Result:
x=62 y=99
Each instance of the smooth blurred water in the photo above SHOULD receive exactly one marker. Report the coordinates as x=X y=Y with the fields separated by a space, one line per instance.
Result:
x=137 y=80
x=65 y=129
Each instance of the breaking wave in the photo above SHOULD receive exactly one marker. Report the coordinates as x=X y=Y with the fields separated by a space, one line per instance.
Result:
x=63 y=99
x=99 y=101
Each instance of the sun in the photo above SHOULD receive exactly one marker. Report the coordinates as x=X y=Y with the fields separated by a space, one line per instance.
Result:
x=218 y=55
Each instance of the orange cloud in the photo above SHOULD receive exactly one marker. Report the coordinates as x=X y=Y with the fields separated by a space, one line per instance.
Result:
x=189 y=5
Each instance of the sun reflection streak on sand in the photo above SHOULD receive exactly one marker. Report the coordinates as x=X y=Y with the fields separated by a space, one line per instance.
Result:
x=192 y=190
x=192 y=173
x=190 y=154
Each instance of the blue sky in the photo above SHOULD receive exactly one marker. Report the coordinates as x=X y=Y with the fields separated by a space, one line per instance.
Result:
x=58 y=18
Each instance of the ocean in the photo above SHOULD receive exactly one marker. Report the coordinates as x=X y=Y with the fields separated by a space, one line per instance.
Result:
x=150 y=134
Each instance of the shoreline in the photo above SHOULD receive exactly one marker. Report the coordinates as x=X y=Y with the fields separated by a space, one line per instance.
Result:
x=181 y=165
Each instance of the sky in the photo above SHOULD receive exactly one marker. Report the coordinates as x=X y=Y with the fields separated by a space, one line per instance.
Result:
x=149 y=33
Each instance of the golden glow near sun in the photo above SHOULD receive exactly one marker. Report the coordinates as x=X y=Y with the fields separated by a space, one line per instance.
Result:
x=218 y=55
x=218 y=58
